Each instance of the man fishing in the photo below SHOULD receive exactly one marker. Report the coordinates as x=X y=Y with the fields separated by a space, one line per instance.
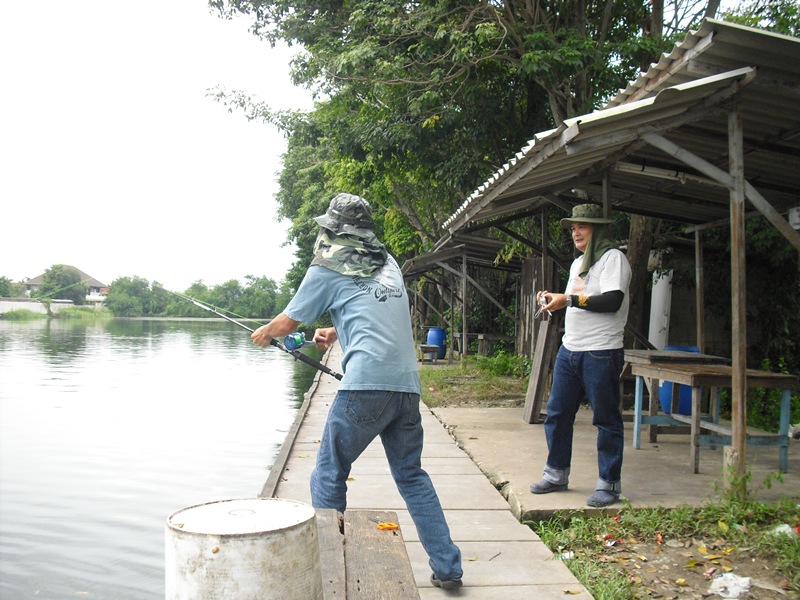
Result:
x=354 y=278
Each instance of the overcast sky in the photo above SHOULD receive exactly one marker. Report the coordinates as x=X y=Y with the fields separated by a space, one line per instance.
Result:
x=112 y=158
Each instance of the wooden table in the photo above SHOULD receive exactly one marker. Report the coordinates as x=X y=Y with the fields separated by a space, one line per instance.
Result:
x=658 y=357
x=699 y=371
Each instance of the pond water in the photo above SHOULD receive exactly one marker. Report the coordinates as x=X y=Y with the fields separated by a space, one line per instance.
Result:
x=110 y=426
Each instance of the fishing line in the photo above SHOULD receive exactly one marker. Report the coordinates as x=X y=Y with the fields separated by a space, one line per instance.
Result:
x=273 y=342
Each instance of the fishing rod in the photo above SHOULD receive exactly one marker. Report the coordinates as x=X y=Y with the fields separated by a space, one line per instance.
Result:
x=273 y=342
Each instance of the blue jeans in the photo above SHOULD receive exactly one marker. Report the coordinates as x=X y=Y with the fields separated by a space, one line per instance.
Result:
x=594 y=374
x=356 y=417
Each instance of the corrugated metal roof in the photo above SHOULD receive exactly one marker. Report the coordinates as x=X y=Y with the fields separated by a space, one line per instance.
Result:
x=686 y=97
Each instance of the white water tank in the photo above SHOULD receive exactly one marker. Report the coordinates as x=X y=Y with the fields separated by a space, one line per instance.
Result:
x=253 y=548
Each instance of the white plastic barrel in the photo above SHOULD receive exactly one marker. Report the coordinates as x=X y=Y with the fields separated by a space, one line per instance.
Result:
x=254 y=548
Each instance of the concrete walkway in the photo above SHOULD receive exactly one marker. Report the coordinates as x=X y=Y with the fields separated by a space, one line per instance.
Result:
x=511 y=453
x=502 y=558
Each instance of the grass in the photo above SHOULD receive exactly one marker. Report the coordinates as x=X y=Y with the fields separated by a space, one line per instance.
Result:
x=466 y=383
x=69 y=312
x=22 y=315
x=747 y=527
x=82 y=312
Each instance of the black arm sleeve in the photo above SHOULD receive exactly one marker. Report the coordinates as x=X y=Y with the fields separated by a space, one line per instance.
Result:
x=605 y=302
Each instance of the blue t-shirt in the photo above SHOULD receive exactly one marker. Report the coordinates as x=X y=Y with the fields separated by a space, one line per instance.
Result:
x=372 y=320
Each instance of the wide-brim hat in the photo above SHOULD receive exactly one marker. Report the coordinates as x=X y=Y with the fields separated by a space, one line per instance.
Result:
x=347 y=213
x=585 y=213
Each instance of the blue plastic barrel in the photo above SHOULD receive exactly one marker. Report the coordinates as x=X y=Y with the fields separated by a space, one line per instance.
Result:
x=438 y=337
x=685 y=394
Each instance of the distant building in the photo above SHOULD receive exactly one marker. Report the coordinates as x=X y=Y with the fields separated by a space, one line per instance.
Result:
x=97 y=289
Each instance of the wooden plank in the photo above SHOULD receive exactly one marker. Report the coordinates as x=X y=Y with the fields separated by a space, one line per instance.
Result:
x=712 y=375
x=377 y=561
x=725 y=429
x=331 y=554
x=648 y=357
x=546 y=347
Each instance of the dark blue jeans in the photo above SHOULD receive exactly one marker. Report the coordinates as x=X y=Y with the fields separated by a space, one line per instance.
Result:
x=594 y=374
x=355 y=418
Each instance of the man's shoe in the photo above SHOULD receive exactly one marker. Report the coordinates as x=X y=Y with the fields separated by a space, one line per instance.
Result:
x=447 y=584
x=545 y=487
x=602 y=498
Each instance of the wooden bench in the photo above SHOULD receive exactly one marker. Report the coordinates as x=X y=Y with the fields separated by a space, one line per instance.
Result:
x=714 y=376
x=429 y=350
x=485 y=341
x=360 y=561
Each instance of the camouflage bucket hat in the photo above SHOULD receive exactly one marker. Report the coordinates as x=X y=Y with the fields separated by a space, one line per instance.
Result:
x=585 y=213
x=347 y=213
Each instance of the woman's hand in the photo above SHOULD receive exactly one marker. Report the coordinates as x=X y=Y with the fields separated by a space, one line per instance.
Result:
x=552 y=302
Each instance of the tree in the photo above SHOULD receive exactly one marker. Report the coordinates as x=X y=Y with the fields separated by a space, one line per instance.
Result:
x=62 y=283
x=129 y=297
x=780 y=16
x=423 y=101
x=258 y=299
x=6 y=287
x=572 y=52
x=226 y=295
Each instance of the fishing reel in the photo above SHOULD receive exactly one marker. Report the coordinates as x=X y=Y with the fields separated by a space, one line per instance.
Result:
x=296 y=340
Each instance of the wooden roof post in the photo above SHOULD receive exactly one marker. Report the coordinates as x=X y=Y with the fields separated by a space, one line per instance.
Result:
x=546 y=283
x=464 y=337
x=415 y=314
x=738 y=298
x=452 y=321
x=699 y=291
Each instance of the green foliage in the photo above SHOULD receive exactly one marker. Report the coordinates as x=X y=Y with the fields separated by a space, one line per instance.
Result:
x=777 y=323
x=259 y=298
x=129 y=297
x=81 y=312
x=763 y=404
x=22 y=315
x=137 y=297
x=62 y=283
x=423 y=101
x=780 y=16
x=504 y=363
x=6 y=287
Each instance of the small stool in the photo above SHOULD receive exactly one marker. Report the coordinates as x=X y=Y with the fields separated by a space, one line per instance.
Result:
x=431 y=350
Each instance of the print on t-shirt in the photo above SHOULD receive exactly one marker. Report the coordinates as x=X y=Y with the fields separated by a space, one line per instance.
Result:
x=579 y=285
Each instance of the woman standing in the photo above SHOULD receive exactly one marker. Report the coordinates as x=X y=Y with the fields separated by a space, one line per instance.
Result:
x=591 y=356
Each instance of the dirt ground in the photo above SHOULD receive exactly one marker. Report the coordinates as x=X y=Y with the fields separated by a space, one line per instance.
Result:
x=679 y=569
x=668 y=569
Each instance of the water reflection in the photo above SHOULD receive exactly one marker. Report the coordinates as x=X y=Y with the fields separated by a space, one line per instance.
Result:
x=108 y=427
x=61 y=340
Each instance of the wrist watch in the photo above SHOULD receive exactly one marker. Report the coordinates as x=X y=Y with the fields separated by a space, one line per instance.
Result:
x=569 y=300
